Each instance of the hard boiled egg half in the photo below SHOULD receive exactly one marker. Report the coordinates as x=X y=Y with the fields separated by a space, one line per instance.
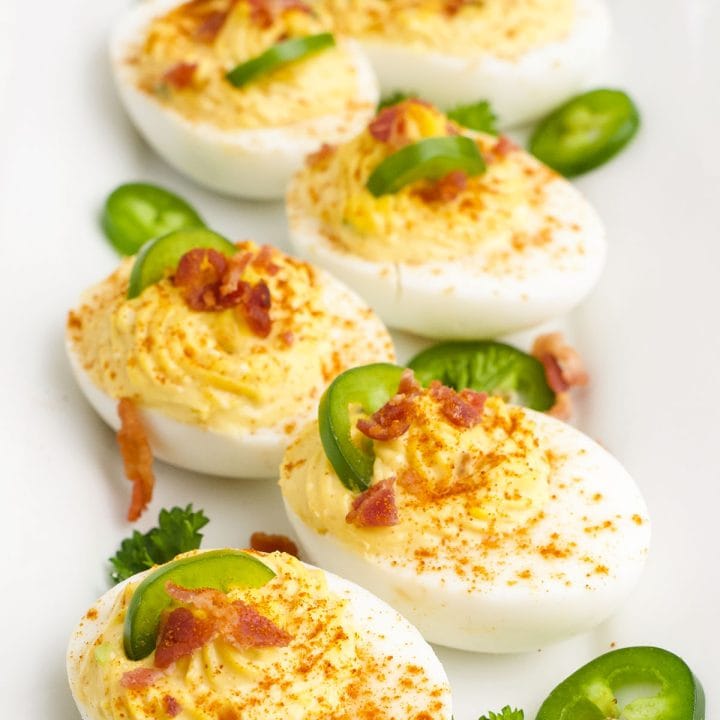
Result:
x=525 y=56
x=491 y=527
x=457 y=256
x=286 y=641
x=215 y=394
x=171 y=61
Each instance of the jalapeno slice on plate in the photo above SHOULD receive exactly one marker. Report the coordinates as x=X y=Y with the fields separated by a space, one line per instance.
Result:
x=279 y=55
x=586 y=131
x=427 y=159
x=366 y=388
x=591 y=692
x=486 y=366
x=218 y=569
x=163 y=253
x=137 y=212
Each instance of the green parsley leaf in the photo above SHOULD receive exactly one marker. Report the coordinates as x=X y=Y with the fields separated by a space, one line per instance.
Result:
x=505 y=714
x=177 y=532
x=477 y=116
x=394 y=98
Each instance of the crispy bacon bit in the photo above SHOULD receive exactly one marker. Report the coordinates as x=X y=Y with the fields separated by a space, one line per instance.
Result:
x=408 y=384
x=375 y=507
x=390 y=124
x=391 y=421
x=263 y=261
x=453 y=7
x=140 y=678
x=462 y=409
x=255 y=630
x=256 y=309
x=288 y=337
x=181 y=634
x=180 y=76
x=211 y=25
x=172 y=706
x=445 y=189
x=211 y=282
x=323 y=153
x=563 y=364
x=564 y=369
x=504 y=146
x=137 y=457
x=199 y=273
x=265 y=12
x=266 y=542
x=237 y=622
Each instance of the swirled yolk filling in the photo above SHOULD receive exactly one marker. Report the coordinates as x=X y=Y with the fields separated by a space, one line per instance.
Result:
x=500 y=28
x=185 y=54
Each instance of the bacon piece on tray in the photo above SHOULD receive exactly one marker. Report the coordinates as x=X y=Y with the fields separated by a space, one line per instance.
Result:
x=268 y=542
x=137 y=457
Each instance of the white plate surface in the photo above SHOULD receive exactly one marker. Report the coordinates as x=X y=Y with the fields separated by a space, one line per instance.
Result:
x=649 y=332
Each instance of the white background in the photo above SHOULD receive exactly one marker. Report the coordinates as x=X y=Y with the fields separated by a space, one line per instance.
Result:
x=650 y=333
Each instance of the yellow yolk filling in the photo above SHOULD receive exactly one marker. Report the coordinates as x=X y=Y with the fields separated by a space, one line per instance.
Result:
x=451 y=482
x=505 y=29
x=209 y=368
x=321 y=84
x=328 y=671
x=501 y=211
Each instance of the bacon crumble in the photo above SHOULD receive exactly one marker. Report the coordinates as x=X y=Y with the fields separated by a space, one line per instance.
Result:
x=394 y=418
x=140 y=678
x=265 y=12
x=180 y=76
x=269 y=542
x=172 y=706
x=463 y=409
x=375 y=507
x=211 y=282
x=137 y=457
x=564 y=369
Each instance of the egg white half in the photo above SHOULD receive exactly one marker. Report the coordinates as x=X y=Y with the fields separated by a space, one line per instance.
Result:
x=459 y=299
x=530 y=600
x=240 y=454
x=244 y=163
x=383 y=629
x=519 y=90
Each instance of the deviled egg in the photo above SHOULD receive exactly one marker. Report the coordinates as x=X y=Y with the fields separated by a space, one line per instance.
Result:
x=224 y=355
x=243 y=133
x=226 y=634
x=447 y=233
x=524 y=56
x=491 y=527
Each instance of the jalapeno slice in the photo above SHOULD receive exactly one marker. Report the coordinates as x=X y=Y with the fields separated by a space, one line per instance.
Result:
x=368 y=387
x=486 y=366
x=163 y=253
x=429 y=159
x=586 y=131
x=279 y=55
x=219 y=569
x=590 y=693
x=137 y=212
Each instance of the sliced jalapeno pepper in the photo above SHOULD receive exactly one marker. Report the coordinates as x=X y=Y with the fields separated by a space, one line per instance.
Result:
x=486 y=366
x=137 y=212
x=219 y=569
x=590 y=693
x=430 y=159
x=279 y=55
x=586 y=131
x=157 y=256
x=369 y=387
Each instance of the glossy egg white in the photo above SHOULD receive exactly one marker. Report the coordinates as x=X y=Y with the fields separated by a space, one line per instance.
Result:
x=519 y=90
x=241 y=454
x=459 y=299
x=529 y=600
x=383 y=630
x=253 y=163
